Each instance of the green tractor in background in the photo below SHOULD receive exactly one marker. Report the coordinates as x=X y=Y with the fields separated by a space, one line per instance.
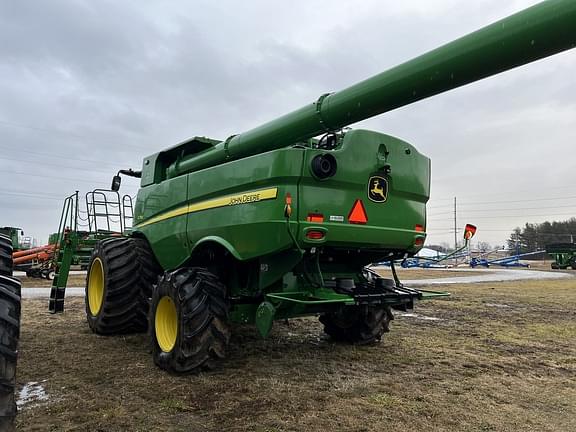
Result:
x=275 y=223
x=16 y=236
x=564 y=255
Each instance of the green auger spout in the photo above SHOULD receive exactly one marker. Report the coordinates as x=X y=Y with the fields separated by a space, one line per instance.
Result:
x=534 y=33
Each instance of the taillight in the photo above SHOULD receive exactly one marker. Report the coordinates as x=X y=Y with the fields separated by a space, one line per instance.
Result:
x=315 y=235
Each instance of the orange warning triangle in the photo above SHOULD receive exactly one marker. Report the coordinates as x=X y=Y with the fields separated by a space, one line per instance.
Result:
x=358 y=213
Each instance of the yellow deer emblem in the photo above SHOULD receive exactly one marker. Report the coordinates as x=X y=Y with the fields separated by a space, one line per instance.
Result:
x=377 y=189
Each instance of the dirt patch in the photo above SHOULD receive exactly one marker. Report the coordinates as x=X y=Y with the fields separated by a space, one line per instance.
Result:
x=478 y=367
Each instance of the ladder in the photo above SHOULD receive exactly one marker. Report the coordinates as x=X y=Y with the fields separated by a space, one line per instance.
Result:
x=106 y=215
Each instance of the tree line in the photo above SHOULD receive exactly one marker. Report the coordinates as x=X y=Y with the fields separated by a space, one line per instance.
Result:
x=535 y=237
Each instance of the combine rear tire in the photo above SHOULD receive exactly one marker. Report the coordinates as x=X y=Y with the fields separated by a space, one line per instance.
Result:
x=9 y=334
x=121 y=276
x=360 y=325
x=188 y=321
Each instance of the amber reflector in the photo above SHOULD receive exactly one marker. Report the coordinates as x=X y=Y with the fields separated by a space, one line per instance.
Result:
x=315 y=217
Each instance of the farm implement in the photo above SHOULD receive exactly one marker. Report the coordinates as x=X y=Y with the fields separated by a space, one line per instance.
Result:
x=442 y=262
x=283 y=220
x=509 y=261
x=564 y=255
x=105 y=215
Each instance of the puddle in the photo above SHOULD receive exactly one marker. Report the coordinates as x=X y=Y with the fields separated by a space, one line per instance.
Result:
x=31 y=392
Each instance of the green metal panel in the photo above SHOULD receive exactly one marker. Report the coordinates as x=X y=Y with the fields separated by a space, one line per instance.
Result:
x=168 y=237
x=390 y=223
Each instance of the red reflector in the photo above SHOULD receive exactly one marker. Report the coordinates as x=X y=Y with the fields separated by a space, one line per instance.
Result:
x=315 y=217
x=315 y=235
x=469 y=231
x=358 y=213
x=419 y=241
x=419 y=228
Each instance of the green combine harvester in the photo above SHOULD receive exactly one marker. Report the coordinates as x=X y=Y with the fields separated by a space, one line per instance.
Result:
x=283 y=221
x=564 y=255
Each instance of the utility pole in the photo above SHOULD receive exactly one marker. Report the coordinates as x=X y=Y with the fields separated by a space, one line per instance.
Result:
x=455 y=233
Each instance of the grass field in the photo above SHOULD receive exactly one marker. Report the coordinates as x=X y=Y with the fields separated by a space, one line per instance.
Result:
x=492 y=357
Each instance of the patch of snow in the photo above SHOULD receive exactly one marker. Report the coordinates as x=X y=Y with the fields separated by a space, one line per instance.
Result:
x=418 y=316
x=31 y=392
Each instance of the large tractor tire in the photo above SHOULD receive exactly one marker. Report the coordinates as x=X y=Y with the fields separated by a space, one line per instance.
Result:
x=121 y=277
x=360 y=325
x=5 y=255
x=189 y=321
x=9 y=334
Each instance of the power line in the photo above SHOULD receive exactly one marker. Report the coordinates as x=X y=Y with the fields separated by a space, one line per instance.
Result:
x=58 y=156
x=506 y=209
x=514 y=216
x=27 y=195
x=60 y=132
x=95 y=182
x=53 y=165
x=509 y=201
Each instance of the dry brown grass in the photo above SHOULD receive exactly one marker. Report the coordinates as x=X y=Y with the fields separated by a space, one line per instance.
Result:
x=502 y=357
x=73 y=281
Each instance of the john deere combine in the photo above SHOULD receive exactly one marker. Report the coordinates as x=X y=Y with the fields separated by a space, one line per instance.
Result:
x=276 y=223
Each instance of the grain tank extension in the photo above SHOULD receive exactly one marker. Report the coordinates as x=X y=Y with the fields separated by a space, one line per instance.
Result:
x=282 y=220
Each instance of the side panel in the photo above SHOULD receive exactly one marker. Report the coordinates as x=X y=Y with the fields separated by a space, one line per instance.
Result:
x=167 y=235
x=241 y=202
x=253 y=192
x=391 y=222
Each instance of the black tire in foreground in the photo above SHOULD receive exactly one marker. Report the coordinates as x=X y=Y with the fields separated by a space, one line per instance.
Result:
x=5 y=255
x=121 y=277
x=10 y=289
x=188 y=321
x=360 y=325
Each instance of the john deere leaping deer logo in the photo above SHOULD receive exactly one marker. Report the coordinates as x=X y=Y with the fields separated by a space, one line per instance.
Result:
x=377 y=189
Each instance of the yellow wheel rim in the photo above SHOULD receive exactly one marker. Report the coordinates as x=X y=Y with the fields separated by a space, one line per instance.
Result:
x=166 y=324
x=96 y=286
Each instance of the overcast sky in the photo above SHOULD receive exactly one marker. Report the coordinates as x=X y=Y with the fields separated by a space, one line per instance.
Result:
x=88 y=87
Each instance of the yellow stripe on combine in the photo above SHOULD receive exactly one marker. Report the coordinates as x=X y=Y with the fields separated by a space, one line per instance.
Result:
x=229 y=200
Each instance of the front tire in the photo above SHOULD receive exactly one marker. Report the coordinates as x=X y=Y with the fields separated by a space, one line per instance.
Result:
x=188 y=321
x=10 y=298
x=360 y=325
x=121 y=276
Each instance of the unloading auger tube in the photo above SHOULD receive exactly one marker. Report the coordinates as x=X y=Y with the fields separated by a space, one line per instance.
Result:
x=534 y=33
